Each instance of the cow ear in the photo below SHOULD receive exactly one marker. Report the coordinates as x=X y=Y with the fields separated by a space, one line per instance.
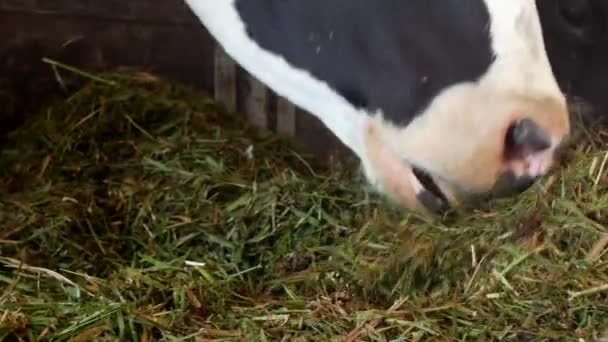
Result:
x=525 y=138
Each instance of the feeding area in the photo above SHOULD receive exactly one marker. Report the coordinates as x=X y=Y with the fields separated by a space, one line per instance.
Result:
x=137 y=209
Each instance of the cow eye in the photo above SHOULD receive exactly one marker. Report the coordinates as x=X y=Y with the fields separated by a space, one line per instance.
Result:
x=574 y=12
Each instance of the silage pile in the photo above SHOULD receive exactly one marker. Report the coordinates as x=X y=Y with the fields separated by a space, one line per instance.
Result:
x=137 y=209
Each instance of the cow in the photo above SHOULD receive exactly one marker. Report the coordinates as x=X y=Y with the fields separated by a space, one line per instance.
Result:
x=445 y=102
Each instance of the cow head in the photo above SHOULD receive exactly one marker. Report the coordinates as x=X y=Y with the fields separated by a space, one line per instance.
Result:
x=491 y=138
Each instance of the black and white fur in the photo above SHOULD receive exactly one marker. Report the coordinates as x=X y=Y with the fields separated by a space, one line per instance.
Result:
x=436 y=86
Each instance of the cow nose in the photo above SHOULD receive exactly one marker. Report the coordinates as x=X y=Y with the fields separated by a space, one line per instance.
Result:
x=525 y=138
x=508 y=184
x=526 y=147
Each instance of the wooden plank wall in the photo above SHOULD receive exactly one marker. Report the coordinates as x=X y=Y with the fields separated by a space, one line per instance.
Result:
x=256 y=100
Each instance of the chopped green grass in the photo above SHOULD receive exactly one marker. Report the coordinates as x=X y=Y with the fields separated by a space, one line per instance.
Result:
x=139 y=210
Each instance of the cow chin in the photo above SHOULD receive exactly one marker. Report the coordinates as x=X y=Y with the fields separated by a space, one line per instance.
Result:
x=423 y=189
x=452 y=196
x=458 y=194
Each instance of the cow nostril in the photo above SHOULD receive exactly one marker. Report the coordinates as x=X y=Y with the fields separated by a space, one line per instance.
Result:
x=523 y=138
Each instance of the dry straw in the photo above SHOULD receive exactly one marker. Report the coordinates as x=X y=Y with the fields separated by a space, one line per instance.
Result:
x=137 y=209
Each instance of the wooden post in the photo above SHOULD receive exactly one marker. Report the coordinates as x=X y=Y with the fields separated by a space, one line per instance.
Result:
x=286 y=117
x=225 y=89
x=256 y=108
x=256 y=100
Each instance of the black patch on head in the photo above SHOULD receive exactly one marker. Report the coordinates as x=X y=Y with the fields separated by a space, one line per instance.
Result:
x=355 y=97
x=392 y=55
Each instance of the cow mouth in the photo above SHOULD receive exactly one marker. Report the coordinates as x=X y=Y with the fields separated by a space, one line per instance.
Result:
x=429 y=183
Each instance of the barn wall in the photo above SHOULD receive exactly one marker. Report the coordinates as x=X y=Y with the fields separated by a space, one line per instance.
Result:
x=161 y=36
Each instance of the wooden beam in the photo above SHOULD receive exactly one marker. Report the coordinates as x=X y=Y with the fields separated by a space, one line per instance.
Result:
x=286 y=117
x=256 y=108
x=225 y=89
